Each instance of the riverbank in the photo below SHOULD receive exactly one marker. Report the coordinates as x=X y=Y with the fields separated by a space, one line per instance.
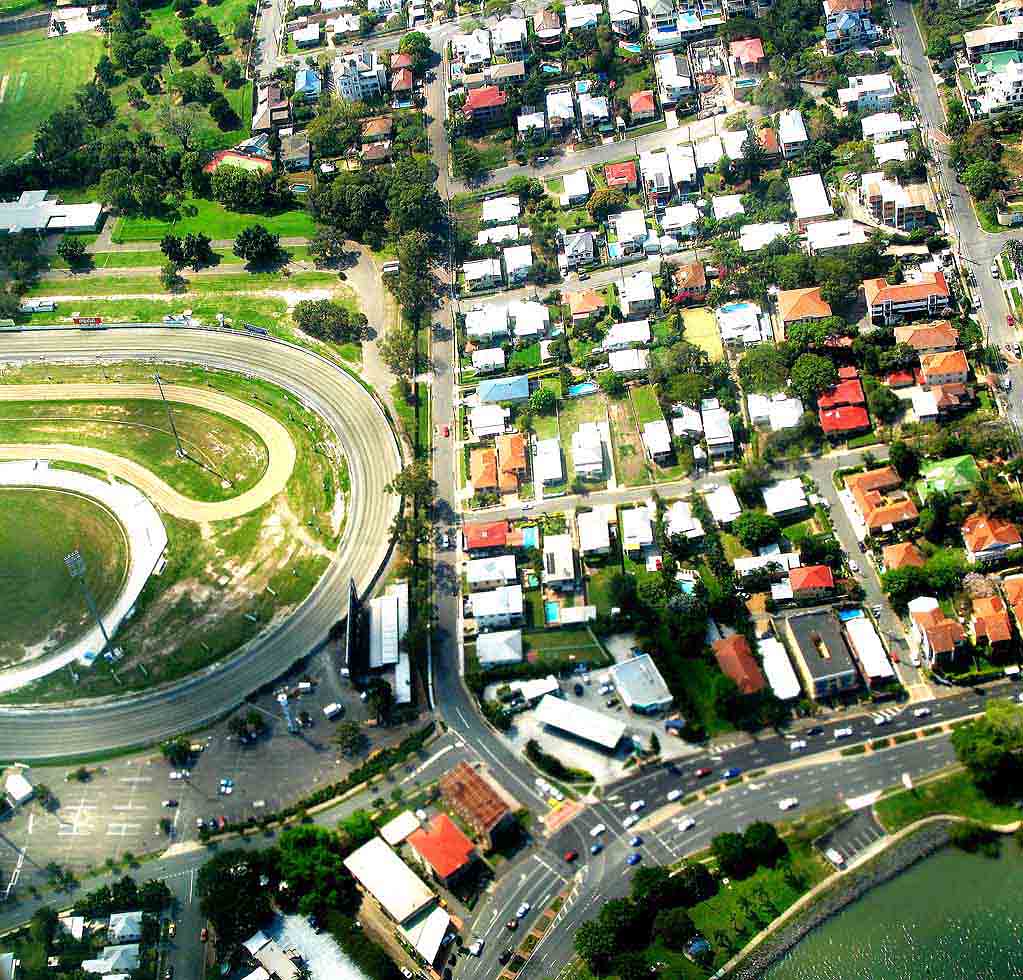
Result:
x=834 y=895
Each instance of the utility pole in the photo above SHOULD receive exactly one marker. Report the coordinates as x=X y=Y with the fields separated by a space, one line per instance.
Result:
x=75 y=565
x=170 y=417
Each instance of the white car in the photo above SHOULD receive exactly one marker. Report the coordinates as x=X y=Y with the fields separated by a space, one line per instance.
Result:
x=174 y=775
x=476 y=948
x=522 y=910
x=557 y=794
x=789 y=803
x=921 y=712
x=630 y=821
x=834 y=857
x=637 y=805
x=843 y=732
x=915 y=660
x=675 y=794
x=686 y=823
x=598 y=830
x=798 y=744
x=853 y=567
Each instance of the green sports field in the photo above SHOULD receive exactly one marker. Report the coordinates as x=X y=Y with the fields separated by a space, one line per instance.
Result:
x=37 y=76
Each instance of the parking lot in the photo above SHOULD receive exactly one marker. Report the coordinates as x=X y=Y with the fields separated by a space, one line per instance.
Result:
x=118 y=809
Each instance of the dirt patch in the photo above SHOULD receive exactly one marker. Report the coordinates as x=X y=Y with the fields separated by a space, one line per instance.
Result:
x=630 y=459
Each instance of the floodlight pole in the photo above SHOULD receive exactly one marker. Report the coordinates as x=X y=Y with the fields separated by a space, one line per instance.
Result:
x=170 y=416
x=75 y=565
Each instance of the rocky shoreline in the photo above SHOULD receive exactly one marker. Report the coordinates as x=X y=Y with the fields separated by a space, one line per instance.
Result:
x=846 y=890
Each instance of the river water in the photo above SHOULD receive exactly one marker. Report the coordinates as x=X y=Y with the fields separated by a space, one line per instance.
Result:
x=953 y=916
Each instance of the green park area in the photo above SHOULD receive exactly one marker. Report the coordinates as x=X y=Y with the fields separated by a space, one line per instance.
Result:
x=224 y=458
x=225 y=581
x=197 y=215
x=38 y=75
x=955 y=794
x=42 y=605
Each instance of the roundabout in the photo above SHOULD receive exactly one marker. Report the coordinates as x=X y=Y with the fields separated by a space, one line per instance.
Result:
x=356 y=429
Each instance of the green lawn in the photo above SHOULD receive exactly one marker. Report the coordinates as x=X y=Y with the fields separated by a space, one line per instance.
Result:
x=219 y=448
x=733 y=547
x=214 y=220
x=954 y=794
x=38 y=76
x=41 y=602
x=644 y=401
x=562 y=647
x=546 y=426
x=240 y=282
x=524 y=358
x=573 y=412
x=598 y=583
x=154 y=259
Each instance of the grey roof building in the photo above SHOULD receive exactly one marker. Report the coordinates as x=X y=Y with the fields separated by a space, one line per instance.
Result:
x=821 y=654
x=640 y=685
x=33 y=211
x=496 y=649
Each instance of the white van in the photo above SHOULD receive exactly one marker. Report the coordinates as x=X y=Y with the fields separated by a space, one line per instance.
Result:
x=333 y=710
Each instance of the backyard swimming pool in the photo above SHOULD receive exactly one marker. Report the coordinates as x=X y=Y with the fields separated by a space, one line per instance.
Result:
x=582 y=388
x=551 y=612
x=300 y=188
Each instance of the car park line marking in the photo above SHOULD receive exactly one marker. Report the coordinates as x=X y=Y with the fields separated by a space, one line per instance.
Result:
x=136 y=779
x=122 y=829
x=31 y=816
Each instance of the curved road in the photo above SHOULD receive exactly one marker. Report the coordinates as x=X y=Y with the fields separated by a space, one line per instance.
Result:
x=279 y=446
x=373 y=457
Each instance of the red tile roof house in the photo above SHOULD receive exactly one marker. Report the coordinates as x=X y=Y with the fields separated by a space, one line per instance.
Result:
x=882 y=505
x=811 y=582
x=401 y=80
x=929 y=338
x=622 y=175
x=483 y=538
x=990 y=622
x=837 y=423
x=443 y=849
x=927 y=296
x=748 y=56
x=989 y=538
x=940 y=637
x=485 y=105
x=900 y=378
x=847 y=392
x=1013 y=586
x=949 y=367
x=690 y=280
x=735 y=659
x=642 y=106
x=905 y=554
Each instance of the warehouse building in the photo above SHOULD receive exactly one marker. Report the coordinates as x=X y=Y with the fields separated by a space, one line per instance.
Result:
x=573 y=719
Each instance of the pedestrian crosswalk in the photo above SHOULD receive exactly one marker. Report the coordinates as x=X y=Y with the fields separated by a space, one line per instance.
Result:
x=883 y=717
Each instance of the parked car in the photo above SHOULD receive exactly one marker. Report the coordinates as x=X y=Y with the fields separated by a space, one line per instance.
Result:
x=834 y=857
x=675 y=794
x=630 y=821
x=172 y=929
x=731 y=773
x=633 y=859
x=636 y=841
x=476 y=947
x=204 y=934
x=789 y=803
x=596 y=848
x=702 y=772
x=522 y=909
x=170 y=803
x=570 y=856
x=843 y=732
x=505 y=956
x=446 y=430
x=512 y=924
x=598 y=830
x=995 y=274
x=686 y=823
x=579 y=690
x=636 y=805
x=798 y=744
x=816 y=730
x=915 y=659
x=853 y=567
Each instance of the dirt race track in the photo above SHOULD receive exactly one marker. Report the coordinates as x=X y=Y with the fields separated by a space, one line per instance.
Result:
x=280 y=448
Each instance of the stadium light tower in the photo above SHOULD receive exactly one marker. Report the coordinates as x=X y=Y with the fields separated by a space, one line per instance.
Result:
x=170 y=416
x=75 y=565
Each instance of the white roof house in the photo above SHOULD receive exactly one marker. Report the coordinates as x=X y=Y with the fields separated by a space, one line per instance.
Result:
x=623 y=335
x=577 y=186
x=637 y=528
x=500 y=210
x=637 y=291
x=640 y=684
x=655 y=169
x=925 y=405
x=502 y=647
x=778 y=669
x=547 y=464
x=723 y=504
x=583 y=723
x=743 y=324
x=508 y=33
x=791 y=128
x=687 y=421
x=529 y=121
x=754 y=237
x=487 y=322
x=681 y=219
x=473 y=50
x=560 y=108
x=530 y=319
x=785 y=497
x=500 y=234
x=488 y=359
x=594 y=531
x=810 y=198
x=679 y=520
x=587 y=450
x=894 y=150
x=125 y=927
x=518 y=260
x=499 y=568
x=558 y=559
x=709 y=152
x=822 y=236
x=632 y=360
x=114 y=959
x=582 y=15
x=884 y=126
x=727 y=206
x=306 y=35
x=480 y=270
x=488 y=420
x=778 y=411
x=682 y=158
x=593 y=109
x=500 y=602
x=717 y=431
x=425 y=932
x=33 y=212
x=395 y=886
x=629 y=226
x=784 y=561
x=868 y=649
x=874 y=91
x=657 y=438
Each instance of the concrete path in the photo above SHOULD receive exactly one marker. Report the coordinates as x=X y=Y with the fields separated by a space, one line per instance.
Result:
x=105 y=243
x=280 y=448
x=146 y=539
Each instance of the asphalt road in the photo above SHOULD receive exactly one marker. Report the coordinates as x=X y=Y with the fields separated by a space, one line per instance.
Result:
x=373 y=454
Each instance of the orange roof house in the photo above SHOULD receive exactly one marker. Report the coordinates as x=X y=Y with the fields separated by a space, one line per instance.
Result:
x=735 y=659
x=798 y=305
x=478 y=537
x=621 y=174
x=642 y=103
x=748 y=53
x=848 y=392
x=511 y=451
x=483 y=469
x=690 y=281
x=442 y=847
x=905 y=554
x=990 y=620
x=1013 y=586
x=927 y=295
x=882 y=505
x=810 y=580
x=585 y=304
x=989 y=538
x=928 y=338
x=944 y=367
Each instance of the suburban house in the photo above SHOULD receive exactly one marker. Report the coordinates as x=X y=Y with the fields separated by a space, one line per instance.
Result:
x=511 y=389
x=518 y=262
x=487 y=323
x=488 y=420
x=296 y=152
x=483 y=274
x=125 y=927
x=785 y=498
x=655 y=172
x=989 y=539
x=490 y=572
x=485 y=106
x=548 y=467
x=679 y=521
x=642 y=106
x=938 y=636
x=792 y=133
x=594 y=532
x=622 y=335
x=990 y=622
x=778 y=411
x=882 y=127
x=622 y=175
x=547 y=27
x=743 y=324
x=637 y=529
x=588 y=451
x=927 y=295
x=717 y=429
x=637 y=294
x=583 y=16
x=933 y=338
x=690 y=282
x=624 y=15
x=822 y=656
x=990 y=40
x=811 y=582
x=483 y=469
x=508 y=37
x=594 y=111
x=560 y=110
x=946 y=367
x=746 y=57
x=868 y=93
x=681 y=220
x=500 y=210
x=472 y=50
x=484 y=538
x=882 y=504
x=499 y=649
x=674 y=78
x=511 y=454
x=586 y=304
x=273 y=110
x=630 y=229
x=684 y=172
x=577 y=248
x=801 y=306
x=629 y=363
x=558 y=562
x=902 y=206
x=810 y=200
x=477 y=802
x=735 y=660
x=903 y=554
x=657 y=440
x=442 y=849
x=17 y=789
x=307 y=85
x=307 y=37
x=497 y=609
x=531 y=123
x=359 y=77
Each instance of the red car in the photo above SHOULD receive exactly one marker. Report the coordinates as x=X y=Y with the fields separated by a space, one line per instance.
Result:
x=204 y=935
x=447 y=431
x=570 y=856
x=700 y=773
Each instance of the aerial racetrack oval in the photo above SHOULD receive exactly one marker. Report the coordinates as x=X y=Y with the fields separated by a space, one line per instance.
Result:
x=361 y=430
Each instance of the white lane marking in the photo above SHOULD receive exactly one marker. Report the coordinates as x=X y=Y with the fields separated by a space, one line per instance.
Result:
x=136 y=779
x=118 y=829
x=31 y=816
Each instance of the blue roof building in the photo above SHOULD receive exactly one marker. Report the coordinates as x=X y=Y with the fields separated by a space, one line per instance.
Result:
x=307 y=84
x=504 y=390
